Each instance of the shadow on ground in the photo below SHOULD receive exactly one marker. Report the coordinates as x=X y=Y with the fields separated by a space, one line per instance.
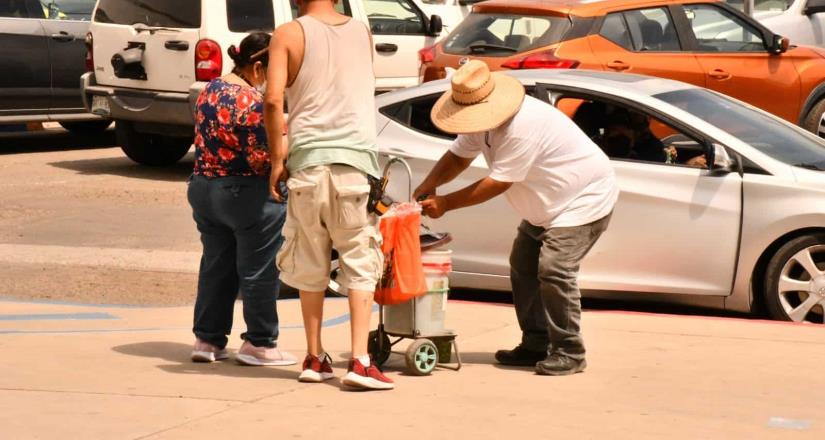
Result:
x=124 y=167
x=53 y=140
x=176 y=356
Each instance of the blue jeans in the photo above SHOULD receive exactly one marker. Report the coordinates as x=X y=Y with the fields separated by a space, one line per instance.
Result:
x=240 y=226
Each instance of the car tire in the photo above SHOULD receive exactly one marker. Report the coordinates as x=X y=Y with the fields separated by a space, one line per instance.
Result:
x=792 y=292
x=86 y=127
x=815 y=120
x=150 y=149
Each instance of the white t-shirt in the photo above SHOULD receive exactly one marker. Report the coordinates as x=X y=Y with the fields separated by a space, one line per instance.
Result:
x=560 y=177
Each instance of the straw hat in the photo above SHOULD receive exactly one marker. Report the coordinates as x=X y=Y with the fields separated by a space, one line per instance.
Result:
x=478 y=101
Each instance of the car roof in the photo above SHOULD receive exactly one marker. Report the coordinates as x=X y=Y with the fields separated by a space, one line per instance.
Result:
x=581 y=8
x=636 y=87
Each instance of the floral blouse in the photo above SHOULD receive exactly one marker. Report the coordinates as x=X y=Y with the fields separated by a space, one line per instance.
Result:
x=230 y=137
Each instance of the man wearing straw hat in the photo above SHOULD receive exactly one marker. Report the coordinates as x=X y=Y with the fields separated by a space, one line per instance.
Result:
x=554 y=177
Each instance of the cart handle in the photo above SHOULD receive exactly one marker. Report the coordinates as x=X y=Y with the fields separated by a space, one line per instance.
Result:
x=387 y=168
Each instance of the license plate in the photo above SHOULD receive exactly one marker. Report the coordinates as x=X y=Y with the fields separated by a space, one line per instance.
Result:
x=100 y=106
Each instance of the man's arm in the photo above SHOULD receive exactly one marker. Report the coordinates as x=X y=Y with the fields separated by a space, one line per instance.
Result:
x=448 y=168
x=276 y=81
x=477 y=193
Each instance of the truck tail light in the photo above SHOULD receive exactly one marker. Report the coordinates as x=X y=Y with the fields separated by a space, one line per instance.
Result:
x=541 y=60
x=90 y=57
x=208 y=60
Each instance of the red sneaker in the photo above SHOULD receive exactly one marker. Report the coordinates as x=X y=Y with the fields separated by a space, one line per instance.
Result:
x=316 y=369
x=368 y=378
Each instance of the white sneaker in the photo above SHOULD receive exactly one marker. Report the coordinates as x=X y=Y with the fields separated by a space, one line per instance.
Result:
x=264 y=356
x=205 y=352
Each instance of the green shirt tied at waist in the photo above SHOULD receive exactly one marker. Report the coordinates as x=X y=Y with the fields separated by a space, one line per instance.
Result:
x=362 y=159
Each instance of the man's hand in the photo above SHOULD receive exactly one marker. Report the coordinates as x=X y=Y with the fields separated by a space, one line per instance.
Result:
x=279 y=174
x=435 y=207
x=698 y=162
x=423 y=191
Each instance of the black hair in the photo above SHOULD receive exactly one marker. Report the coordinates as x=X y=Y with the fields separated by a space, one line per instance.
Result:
x=253 y=48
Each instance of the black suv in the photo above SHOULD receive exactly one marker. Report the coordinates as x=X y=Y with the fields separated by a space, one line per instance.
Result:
x=42 y=56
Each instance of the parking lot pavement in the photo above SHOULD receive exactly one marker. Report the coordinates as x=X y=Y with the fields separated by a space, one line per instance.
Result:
x=79 y=371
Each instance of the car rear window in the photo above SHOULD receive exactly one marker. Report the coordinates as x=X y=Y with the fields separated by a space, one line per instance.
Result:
x=156 y=13
x=493 y=35
x=250 y=15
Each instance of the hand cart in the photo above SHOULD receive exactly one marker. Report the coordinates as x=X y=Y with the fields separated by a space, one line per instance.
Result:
x=420 y=319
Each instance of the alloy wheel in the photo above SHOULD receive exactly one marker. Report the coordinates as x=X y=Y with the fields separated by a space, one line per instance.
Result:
x=801 y=286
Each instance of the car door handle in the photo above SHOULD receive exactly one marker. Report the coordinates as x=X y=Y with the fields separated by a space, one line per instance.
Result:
x=719 y=74
x=386 y=48
x=63 y=37
x=618 y=65
x=178 y=45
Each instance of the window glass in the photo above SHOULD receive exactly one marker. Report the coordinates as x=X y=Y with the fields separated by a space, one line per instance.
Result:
x=15 y=9
x=415 y=114
x=394 y=17
x=652 y=30
x=78 y=10
x=615 y=30
x=627 y=134
x=763 y=5
x=157 y=13
x=718 y=30
x=250 y=15
x=342 y=7
x=782 y=141
x=505 y=34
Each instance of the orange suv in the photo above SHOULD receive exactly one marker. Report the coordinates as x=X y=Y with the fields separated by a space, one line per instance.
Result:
x=706 y=43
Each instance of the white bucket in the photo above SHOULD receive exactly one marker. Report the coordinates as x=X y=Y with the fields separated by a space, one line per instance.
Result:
x=426 y=313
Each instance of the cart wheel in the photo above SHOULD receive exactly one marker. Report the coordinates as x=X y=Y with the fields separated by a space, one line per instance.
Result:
x=422 y=357
x=382 y=353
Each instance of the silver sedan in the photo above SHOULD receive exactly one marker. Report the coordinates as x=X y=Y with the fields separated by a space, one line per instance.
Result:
x=722 y=205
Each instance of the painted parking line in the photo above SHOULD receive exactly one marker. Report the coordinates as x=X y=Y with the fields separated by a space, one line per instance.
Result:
x=58 y=317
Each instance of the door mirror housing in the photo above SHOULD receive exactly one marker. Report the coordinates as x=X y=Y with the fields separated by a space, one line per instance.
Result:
x=435 y=26
x=814 y=7
x=779 y=44
x=721 y=161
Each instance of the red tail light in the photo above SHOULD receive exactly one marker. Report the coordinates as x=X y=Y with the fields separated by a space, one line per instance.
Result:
x=208 y=60
x=427 y=55
x=90 y=57
x=541 y=60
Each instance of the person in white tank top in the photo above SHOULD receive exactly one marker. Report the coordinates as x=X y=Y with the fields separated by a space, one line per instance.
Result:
x=322 y=62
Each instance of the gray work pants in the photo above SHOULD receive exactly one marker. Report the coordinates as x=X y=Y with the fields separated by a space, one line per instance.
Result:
x=544 y=270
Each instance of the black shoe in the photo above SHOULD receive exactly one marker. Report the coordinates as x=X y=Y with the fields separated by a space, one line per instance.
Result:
x=520 y=357
x=559 y=365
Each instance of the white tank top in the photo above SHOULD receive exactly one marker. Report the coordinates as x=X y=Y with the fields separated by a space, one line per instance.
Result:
x=332 y=100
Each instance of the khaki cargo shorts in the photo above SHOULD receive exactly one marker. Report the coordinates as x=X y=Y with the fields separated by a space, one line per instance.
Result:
x=328 y=208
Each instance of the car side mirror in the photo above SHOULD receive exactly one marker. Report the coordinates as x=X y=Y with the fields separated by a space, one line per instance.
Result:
x=779 y=44
x=814 y=7
x=721 y=161
x=435 y=26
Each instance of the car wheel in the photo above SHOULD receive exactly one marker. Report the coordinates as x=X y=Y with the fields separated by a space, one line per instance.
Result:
x=815 y=121
x=151 y=149
x=795 y=281
x=86 y=127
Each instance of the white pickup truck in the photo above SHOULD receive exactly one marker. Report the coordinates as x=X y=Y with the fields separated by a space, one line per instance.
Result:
x=150 y=59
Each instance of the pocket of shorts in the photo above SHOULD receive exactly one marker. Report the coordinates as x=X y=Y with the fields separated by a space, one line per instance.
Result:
x=302 y=206
x=352 y=206
x=285 y=260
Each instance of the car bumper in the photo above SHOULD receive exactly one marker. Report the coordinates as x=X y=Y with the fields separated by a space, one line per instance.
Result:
x=144 y=106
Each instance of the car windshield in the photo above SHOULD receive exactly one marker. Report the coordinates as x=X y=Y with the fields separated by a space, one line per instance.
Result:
x=498 y=35
x=155 y=13
x=766 y=133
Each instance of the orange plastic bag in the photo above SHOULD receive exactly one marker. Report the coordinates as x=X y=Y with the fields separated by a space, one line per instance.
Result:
x=403 y=277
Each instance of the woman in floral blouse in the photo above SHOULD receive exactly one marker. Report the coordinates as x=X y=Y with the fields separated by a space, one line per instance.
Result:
x=239 y=222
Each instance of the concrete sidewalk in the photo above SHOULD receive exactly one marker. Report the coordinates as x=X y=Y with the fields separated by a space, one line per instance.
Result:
x=98 y=372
